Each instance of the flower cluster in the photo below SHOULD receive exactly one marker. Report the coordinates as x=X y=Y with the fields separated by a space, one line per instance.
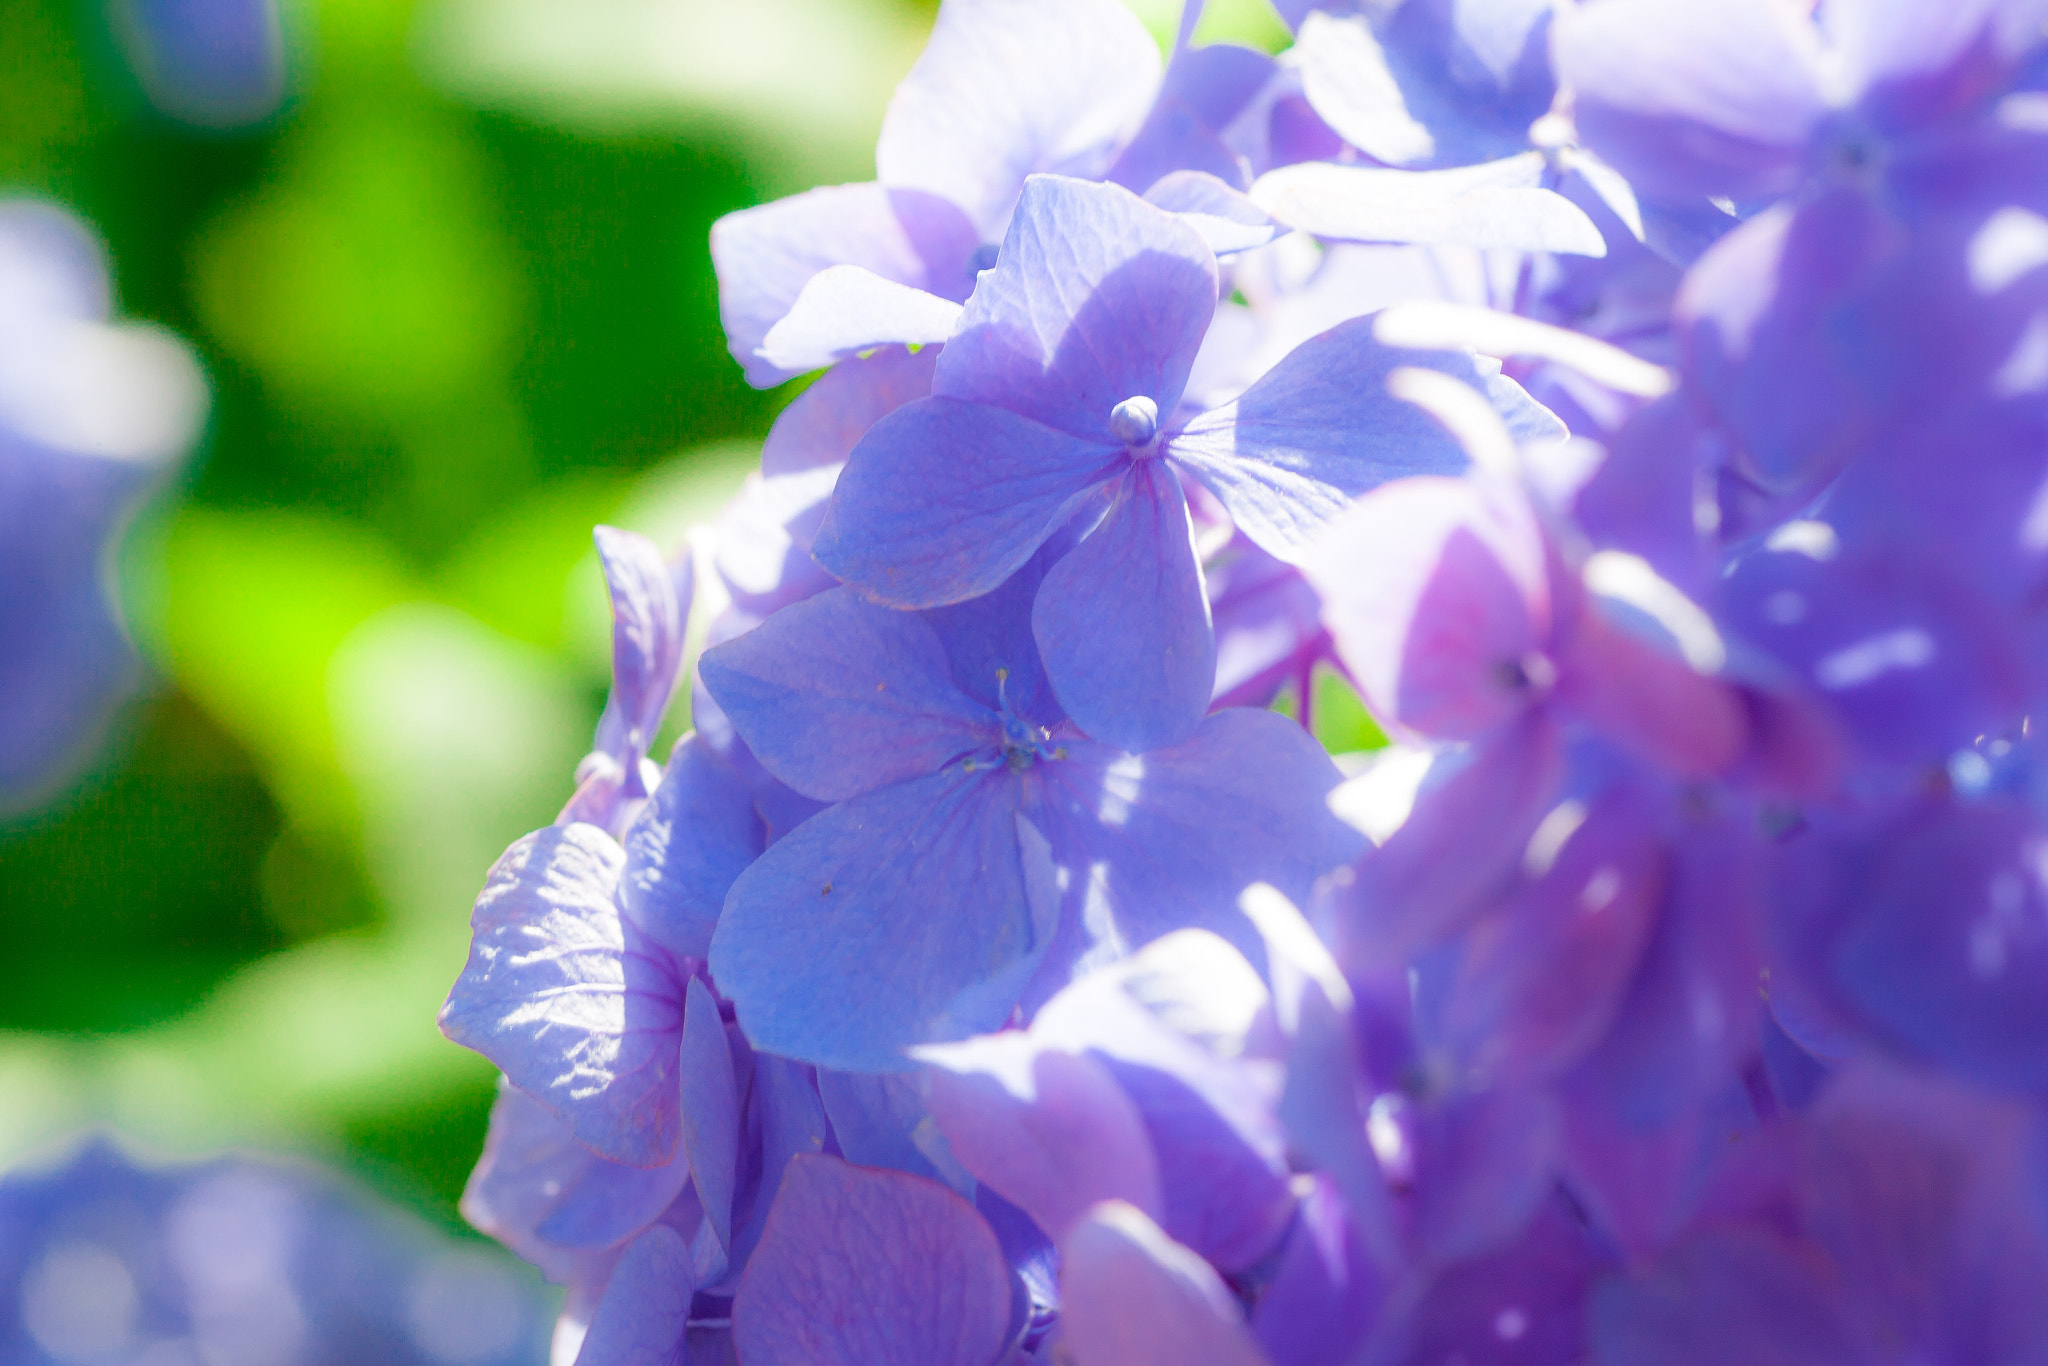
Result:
x=1643 y=406
x=241 y=1262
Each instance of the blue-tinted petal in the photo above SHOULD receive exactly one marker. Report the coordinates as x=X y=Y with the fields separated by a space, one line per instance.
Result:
x=1005 y=89
x=687 y=846
x=889 y=920
x=860 y=1267
x=1320 y=428
x=822 y=424
x=943 y=500
x=571 y=1002
x=1170 y=838
x=1206 y=88
x=881 y=1120
x=1123 y=623
x=766 y=255
x=643 y=1318
x=1326 y=1292
x=1134 y=1297
x=791 y=1122
x=208 y=63
x=1050 y=1131
x=710 y=1108
x=837 y=696
x=843 y=311
x=1097 y=297
x=648 y=622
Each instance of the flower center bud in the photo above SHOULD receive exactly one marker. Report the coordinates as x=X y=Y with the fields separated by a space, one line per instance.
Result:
x=1135 y=421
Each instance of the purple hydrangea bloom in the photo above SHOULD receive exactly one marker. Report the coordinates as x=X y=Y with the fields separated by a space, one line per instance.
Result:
x=242 y=1261
x=90 y=414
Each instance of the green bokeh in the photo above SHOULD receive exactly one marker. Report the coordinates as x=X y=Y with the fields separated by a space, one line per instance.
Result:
x=455 y=306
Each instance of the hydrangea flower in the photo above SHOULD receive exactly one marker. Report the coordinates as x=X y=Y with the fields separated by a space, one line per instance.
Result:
x=91 y=414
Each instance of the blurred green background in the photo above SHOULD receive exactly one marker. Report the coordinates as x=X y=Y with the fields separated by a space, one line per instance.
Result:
x=455 y=305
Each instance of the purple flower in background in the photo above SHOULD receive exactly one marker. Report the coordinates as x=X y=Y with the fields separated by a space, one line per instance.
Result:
x=244 y=1262
x=1056 y=402
x=208 y=63
x=91 y=413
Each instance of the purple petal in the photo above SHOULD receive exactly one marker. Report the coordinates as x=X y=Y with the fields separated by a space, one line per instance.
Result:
x=1326 y=1292
x=1495 y=206
x=710 y=1108
x=908 y=915
x=1051 y=1132
x=1205 y=90
x=765 y=256
x=1521 y=1305
x=1169 y=839
x=552 y=1200
x=989 y=641
x=1320 y=428
x=1123 y=622
x=822 y=425
x=1227 y=220
x=1097 y=297
x=1912 y=64
x=1008 y=88
x=1134 y=1297
x=1435 y=593
x=1539 y=981
x=790 y=1119
x=843 y=311
x=643 y=1319
x=568 y=999
x=1347 y=79
x=687 y=846
x=943 y=500
x=837 y=696
x=881 y=1120
x=1691 y=100
x=871 y=1268
x=1458 y=848
x=1484 y=1162
x=1643 y=698
x=648 y=623
x=1726 y=1299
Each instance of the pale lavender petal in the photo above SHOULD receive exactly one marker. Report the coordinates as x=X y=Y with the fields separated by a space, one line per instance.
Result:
x=1097 y=297
x=648 y=622
x=765 y=256
x=1050 y=1131
x=1494 y=206
x=836 y=696
x=1134 y=1297
x=822 y=424
x=843 y=311
x=1123 y=623
x=909 y=915
x=570 y=1001
x=1320 y=428
x=871 y=1268
x=1228 y=220
x=1009 y=88
x=943 y=500
x=1690 y=99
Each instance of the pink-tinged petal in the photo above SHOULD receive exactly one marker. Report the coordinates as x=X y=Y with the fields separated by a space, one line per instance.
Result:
x=1049 y=1131
x=1460 y=847
x=822 y=425
x=1435 y=593
x=1123 y=623
x=1096 y=297
x=860 y=1267
x=1688 y=99
x=1009 y=88
x=943 y=500
x=1645 y=699
x=1539 y=981
x=765 y=256
x=836 y=696
x=843 y=311
x=1910 y=65
x=1134 y=1297
x=569 y=999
